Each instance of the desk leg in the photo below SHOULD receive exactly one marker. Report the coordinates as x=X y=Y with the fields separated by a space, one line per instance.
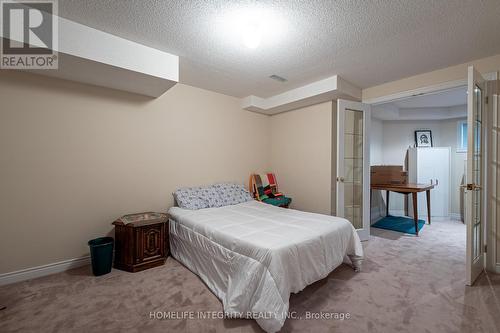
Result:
x=387 y=202
x=406 y=211
x=415 y=211
x=428 y=193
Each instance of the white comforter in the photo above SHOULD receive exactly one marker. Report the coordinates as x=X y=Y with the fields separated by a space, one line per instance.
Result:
x=253 y=255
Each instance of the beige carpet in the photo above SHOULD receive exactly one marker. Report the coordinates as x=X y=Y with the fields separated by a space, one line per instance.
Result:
x=408 y=284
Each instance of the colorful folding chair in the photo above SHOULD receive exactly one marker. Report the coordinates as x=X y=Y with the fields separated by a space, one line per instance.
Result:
x=265 y=188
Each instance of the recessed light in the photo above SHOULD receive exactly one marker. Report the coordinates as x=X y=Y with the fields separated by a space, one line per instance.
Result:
x=250 y=26
x=251 y=34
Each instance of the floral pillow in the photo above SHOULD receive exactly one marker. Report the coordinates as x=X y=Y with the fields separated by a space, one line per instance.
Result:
x=217 y=195
x=197 y=198
x=232 y=194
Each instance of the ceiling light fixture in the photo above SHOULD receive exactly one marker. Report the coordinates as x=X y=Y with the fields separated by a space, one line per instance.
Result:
x=251 y=34
x=250 y=26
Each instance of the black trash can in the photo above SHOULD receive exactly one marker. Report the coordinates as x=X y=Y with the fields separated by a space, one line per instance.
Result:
x=101 y=253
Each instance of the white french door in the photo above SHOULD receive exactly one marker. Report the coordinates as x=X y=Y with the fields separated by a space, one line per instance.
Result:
x=474 y=214
x=353 y=165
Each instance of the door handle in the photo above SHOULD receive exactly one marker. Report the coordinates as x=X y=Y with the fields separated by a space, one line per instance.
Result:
x=340 y=179
x=471 y=187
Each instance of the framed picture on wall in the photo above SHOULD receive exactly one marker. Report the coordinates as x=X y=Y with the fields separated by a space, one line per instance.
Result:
x=423 y=138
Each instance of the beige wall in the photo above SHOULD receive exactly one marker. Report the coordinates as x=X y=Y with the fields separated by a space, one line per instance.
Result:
x=301 y=147
x=75 y=157
x=458 y=72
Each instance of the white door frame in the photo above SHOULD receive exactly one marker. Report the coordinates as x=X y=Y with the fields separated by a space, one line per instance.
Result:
x=475 y=265
x=492 y=157
x=438 y=88
x=432 y=89
x=345 y=105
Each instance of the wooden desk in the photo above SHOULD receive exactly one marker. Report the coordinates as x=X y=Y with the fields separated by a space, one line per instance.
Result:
x=407 y=189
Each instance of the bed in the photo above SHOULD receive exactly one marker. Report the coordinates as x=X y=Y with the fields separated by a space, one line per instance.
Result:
x=252 y=255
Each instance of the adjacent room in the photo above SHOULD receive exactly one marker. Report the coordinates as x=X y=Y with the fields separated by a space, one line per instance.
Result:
x=421 y=139
x=249 y=166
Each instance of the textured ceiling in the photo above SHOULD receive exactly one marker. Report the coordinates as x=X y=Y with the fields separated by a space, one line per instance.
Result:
x=365 y=42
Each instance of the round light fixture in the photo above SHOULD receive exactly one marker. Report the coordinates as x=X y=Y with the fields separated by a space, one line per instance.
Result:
x=251 y=35
x=250 y=26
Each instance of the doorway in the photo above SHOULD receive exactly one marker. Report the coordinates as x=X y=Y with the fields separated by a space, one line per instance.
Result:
x=426 y=136
x=474 y=191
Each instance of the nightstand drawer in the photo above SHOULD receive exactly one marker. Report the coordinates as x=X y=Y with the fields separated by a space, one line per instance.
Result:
x=150 y=243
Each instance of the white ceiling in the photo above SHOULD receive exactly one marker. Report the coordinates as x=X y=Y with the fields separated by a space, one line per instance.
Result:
x=434 y=106
x=365 y=42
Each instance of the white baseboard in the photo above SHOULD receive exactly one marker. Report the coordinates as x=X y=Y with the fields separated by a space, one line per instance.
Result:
x=456 y=216
x=34 y=272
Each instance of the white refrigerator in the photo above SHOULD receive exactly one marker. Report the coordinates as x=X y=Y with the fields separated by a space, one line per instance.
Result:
x=430 y=165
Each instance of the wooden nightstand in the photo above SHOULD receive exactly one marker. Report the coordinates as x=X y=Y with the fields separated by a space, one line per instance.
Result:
x=141 y=241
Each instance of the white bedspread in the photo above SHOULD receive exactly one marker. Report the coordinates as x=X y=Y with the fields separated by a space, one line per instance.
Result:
x=253 y=255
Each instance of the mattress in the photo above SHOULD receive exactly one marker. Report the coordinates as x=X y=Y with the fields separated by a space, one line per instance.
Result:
x=253 y=255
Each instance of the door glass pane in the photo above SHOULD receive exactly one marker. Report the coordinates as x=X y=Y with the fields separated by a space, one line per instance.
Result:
x=353 y=166
x=476 y=174
x=463 y=136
